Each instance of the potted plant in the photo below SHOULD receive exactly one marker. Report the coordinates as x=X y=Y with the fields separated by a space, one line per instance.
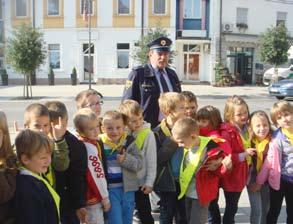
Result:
x=73 y=77
x=51 y=77
x=4 y=77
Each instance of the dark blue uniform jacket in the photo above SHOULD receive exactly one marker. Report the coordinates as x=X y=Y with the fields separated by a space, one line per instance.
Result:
x=143 y=87
x=34 y=203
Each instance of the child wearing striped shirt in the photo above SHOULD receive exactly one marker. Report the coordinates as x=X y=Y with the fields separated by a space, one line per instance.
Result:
x=122 y=161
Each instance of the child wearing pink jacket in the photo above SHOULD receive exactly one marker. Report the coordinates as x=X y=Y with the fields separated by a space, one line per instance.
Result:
x=278 y=166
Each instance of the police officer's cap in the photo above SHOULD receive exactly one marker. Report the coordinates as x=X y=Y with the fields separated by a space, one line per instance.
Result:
x=160 y=44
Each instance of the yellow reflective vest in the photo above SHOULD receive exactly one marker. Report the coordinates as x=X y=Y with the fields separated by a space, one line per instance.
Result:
x=193 y=166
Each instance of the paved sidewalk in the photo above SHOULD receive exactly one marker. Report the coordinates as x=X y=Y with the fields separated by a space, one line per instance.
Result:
x=115 y=91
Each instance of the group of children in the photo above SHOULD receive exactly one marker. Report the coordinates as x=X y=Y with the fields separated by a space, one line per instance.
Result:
x=111 y=164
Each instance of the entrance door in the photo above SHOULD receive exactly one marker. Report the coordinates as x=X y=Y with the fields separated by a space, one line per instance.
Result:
x=191 y=66
x=88 y=65
x=241 y=65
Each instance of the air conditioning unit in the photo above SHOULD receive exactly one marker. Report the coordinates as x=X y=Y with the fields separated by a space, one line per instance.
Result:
x=227 y=27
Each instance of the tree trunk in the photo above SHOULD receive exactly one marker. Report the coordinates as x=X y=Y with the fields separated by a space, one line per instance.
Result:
x=26 y=87
x=30 y=86
x=23 y=92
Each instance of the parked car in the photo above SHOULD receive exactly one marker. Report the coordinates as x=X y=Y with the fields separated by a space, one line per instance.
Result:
x=282 y=89
x=283 y=73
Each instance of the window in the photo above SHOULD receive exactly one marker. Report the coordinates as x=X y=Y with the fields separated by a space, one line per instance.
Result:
x=1 y=31
x=241 y=16
x=54 y=56
x=159 y=7
x=1 y=57
x=192 y=9
x=53 y=7
x=281 y=18
x=123 y=55
x=21 y=8
x=123 y=6
x=85 y=6
x=191 y=48
x=1 y=12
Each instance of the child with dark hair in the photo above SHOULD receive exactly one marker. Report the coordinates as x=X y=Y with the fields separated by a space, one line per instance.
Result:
x=70 y=184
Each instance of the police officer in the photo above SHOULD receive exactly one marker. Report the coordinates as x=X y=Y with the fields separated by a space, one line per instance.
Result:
x=145 y=83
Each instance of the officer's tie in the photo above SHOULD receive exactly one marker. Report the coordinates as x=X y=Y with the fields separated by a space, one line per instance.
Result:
x=163 y=81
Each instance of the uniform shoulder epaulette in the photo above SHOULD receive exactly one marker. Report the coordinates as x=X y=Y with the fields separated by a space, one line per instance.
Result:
x=137 y=67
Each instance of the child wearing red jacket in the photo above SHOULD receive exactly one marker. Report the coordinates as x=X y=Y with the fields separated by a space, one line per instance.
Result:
x=97 y=196
x=198 y=184
x=209 y=121
x=235 y=132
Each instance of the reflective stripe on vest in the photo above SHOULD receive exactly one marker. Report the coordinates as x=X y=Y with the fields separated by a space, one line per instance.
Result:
x=50 y=176
x=193 y=166
x=141 y=135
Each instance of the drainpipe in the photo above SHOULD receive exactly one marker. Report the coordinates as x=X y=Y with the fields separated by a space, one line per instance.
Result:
x=142 y=18
x=220 y=36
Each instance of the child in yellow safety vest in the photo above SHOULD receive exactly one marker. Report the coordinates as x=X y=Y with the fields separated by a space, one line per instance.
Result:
x=146 y=143
x=35 y=199
x=198 y=184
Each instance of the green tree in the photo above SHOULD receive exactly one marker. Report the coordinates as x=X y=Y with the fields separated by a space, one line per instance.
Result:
x=25 y=53
x=274 y=45
x=140 y=53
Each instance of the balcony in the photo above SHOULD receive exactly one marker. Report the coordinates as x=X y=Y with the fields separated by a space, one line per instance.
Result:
x=192 y=33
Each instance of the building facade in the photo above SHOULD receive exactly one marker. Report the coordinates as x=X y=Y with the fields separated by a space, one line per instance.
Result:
x=116 y=25
x=193 y=40
x=242 y=23
x=204 y=32
x=2 y=33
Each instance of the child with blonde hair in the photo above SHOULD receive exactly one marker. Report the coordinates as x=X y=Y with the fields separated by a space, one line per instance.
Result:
x=97 y=196
x=278 y=166
x=122 y=162
x=7 y=172
x=235 y=132
x=169 y=157
x=260 y=128
x=199 y=185
x=35 y=199
x=146 y=143
x=90 y=98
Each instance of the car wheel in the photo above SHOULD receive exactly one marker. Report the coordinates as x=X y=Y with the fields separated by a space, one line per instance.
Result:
x=280 y=97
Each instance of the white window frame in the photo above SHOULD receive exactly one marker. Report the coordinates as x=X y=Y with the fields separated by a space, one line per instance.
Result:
x=58 y=9
x=240 y=18
x=277 y=19
x=27 y=2
x=158 y=14
x=122 y=50
x=60 y=56
x=81 y=8
x=124 y=14
x=193 y=7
